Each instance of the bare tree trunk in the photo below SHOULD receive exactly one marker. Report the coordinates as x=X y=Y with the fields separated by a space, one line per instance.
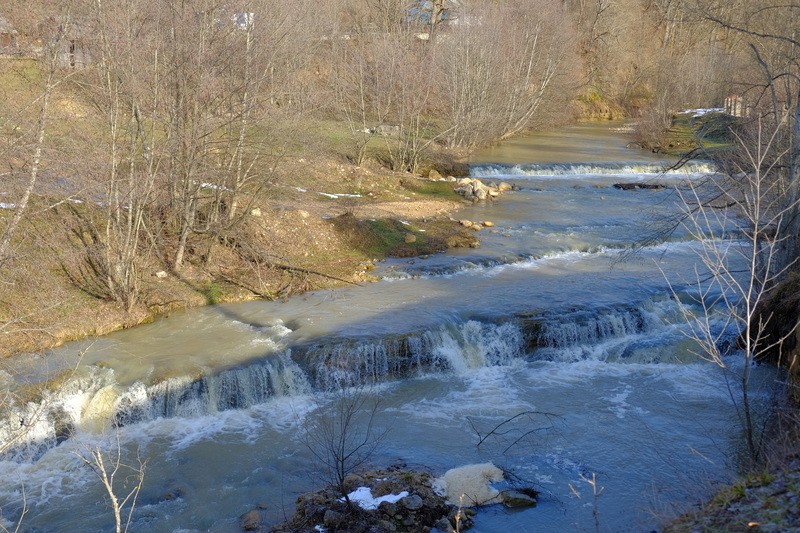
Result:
x=41 y=126
x=107 y=468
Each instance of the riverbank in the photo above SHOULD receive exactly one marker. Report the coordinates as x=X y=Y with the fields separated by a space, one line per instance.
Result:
x=320 y=224
x=764 y=503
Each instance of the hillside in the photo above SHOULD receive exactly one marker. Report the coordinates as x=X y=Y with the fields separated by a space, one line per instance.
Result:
x=306 y=225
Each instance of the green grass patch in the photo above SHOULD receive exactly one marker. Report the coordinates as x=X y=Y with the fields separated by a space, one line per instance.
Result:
x=390 y=237
x=710 y=132
x=213 y=292
x=440 y=190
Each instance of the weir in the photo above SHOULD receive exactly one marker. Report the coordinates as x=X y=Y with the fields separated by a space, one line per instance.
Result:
x=640 y=170
x=91 y=399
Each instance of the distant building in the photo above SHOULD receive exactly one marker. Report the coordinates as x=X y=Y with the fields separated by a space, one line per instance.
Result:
x=734 y=106
x=420 y=11
x=72 y=41
x=9 y=43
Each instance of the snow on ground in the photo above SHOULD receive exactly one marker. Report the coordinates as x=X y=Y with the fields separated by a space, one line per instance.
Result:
x=362 y=496
x=329 y=195
x=700 y=112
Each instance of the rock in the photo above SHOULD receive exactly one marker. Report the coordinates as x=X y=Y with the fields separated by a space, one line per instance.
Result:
x=161 y=274
x=466 y=223
x=637 y=186
x=386 y=130
x=476 y=191
x=471 y=482
x=444 y=525
x=410 y=238
x=451 y=178
x=488 y=224
x=332 y=518
x=250 y=521
x=477 y=185
x=434 y=175
x=387 y=525
x=476 y=227
x=256 y=212
x=412 y=503
x=388 y=508
x=517 y=500
x=503 y=186
x=173 y=492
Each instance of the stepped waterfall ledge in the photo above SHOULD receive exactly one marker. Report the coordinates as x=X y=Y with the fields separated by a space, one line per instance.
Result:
x=575 y=305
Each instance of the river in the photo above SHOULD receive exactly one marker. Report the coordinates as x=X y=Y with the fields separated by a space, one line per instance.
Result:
x=553 y=314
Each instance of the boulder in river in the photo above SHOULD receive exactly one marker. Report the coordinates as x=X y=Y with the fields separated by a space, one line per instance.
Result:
x=391 y=500
x=637 y=186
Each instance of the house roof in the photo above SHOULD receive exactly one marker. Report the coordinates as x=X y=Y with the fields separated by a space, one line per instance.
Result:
x=5 y=26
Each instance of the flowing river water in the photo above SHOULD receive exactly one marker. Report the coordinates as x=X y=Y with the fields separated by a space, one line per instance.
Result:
x=552 y=314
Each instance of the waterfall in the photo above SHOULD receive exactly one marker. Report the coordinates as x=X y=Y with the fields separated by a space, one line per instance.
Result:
x=589 y=169
x=91 y=400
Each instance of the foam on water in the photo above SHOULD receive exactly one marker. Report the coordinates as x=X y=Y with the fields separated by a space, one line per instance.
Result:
x=627 y=170
x=492 y=267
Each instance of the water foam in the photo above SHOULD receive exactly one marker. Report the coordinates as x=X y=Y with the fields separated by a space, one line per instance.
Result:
x=590 y=169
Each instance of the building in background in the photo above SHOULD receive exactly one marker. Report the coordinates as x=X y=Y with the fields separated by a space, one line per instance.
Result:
x=9 y=38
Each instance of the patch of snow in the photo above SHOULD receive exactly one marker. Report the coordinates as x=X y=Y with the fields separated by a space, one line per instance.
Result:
x=700 y=112
x=329 y=195
x=362 y=496
x=4 y=205
x=319 y=528
x=215 y=187
x=403 y=222
x=300 y=189
x=75 y=200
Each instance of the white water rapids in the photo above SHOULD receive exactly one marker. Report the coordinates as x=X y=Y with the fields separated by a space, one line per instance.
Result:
x=547 y=316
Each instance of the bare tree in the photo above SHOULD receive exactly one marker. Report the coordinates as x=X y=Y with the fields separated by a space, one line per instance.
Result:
x=738 y=274
x=53 y=76
x=344 y=437
x=122 y=482
x=770 y=30
x=502 y=69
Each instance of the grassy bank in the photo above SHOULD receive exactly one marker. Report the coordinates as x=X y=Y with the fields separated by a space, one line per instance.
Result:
x=306 y=223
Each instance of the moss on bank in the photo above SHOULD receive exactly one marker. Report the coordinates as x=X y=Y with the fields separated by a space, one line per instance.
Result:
x=709 y=133
x=396 y=238
x=767 y=502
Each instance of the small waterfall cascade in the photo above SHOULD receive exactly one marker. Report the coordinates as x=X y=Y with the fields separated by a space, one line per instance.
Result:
x=91 y=400
x=520 y=171
x=614 y=334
